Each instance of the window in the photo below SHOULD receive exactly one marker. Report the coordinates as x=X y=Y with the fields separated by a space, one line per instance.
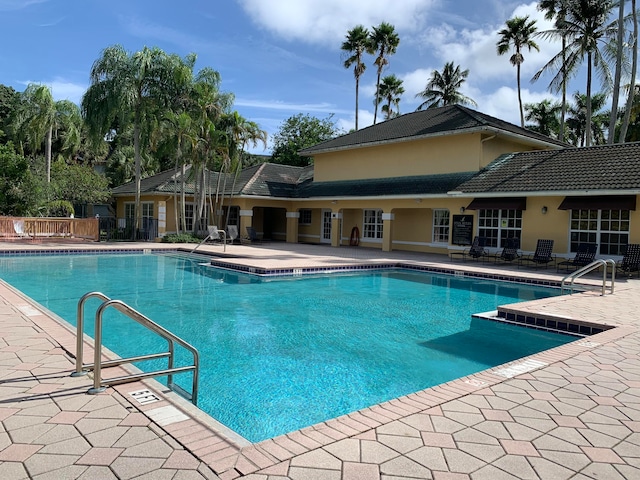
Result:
x=305 y=217
x=233 y=216
x=498 y=225
x=188 y=216
x=608 y=228
x=440 y=226
x=372 y=224
x=130 y=210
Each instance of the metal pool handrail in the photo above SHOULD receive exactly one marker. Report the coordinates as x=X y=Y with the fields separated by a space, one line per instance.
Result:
x=150 y=325
x=589 y=268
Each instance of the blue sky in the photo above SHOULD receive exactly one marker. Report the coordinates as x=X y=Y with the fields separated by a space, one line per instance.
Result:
x=279 y=57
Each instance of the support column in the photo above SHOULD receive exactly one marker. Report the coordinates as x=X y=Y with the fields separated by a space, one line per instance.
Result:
x=246 y=220
x=162 y=218
x=292 y=227
x=387 y=231
x=336 y=231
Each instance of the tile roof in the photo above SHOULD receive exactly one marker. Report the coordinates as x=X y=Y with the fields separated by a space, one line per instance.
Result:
x=430 y=122
x=604 y=167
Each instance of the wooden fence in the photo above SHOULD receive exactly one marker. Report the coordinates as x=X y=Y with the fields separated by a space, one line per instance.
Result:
x=44 y=227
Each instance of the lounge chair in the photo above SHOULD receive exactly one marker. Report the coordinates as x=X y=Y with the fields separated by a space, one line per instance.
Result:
x=253 y=235
x=216 y=235
x=585 y=254
x=232 y=233
x=475 y=252
x=18 y=227
x=509 y=251
x=630 y=261
x=542 y=256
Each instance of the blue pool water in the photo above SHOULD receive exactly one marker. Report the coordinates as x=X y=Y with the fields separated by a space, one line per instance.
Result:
x=281 y=354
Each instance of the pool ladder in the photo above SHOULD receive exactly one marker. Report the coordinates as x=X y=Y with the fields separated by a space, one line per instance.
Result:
x=99 y=384
x=589 y=268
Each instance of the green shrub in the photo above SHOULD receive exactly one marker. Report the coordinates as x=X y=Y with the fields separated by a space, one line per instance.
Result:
x=180 y=238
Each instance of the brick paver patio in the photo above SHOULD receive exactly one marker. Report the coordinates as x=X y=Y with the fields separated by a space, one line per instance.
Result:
x=571 y=412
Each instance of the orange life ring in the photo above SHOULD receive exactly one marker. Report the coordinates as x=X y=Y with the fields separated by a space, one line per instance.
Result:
x=354 y=241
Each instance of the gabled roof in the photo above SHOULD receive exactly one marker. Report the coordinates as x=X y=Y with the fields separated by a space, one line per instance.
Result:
x=600 y=168
x=266 y=179
x=452 y=119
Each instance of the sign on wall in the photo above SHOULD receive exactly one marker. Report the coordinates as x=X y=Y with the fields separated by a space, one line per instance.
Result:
x=462 y=230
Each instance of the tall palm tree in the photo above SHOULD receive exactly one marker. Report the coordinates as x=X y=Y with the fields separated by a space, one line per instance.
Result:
x=518 y=35
x=557 y=9
x=585 y=27
x=615 y=94
x=443 y=88
x=132 y=89
x=355 y=45
x=384 y=41
x=544 y=116
x=390 y=91
x=634 y=67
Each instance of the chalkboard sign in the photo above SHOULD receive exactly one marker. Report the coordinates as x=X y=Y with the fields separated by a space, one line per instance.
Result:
x=462 y=230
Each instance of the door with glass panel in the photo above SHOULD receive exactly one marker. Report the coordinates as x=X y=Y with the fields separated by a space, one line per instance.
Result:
x=325 y=234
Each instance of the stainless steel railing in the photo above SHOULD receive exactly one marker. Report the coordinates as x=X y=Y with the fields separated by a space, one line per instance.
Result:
x=99 y=384
x=589 y=268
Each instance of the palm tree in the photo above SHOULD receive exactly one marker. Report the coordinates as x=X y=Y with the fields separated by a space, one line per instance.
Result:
x=615 y=94
x=634 y=67
x=132 y=89
x=578 y=115
x=443 y=88
x=391 y=90
x=518 y=34
x=356 y=43
x=557 y=9
x=41 y=117
x=584 y=27
x=384 y=41
x=544 y=116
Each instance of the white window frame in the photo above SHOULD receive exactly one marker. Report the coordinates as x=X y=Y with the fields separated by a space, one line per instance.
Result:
x=146 y=207
x=372 y=224
x=441 y=226
x=598 y=226
x=502 y=223
x=305 y=217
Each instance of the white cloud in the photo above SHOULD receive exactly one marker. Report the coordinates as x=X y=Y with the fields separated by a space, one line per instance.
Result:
x=503 y=103
x=475 y=49
x=61 y=89
x=326 y=21
x=7 y=5
x=291 y=107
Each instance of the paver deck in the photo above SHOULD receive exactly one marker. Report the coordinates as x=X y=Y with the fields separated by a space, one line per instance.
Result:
x=570 y=412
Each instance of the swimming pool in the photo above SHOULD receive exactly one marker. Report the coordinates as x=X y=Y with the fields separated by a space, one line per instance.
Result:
x=279 y=354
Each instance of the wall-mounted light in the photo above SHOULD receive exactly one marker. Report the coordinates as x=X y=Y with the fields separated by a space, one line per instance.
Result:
x=418 y=200
x=462 y=209
x=544 y=210
x=334 y=201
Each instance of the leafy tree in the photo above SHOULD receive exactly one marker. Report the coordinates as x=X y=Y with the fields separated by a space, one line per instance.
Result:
x=391 y=90
x=518 y=34
x=443 y=88
x=9 y=102
x=544 y=116
x=384 y=40
x=78 y=184
x=17 y=189
x=298 y=132
x=356 y=43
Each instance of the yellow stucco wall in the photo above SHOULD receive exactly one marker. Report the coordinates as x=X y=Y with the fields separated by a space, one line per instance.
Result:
x=421 y=157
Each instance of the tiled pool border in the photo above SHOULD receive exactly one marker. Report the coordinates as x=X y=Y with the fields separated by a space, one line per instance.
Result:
x=231 y=460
